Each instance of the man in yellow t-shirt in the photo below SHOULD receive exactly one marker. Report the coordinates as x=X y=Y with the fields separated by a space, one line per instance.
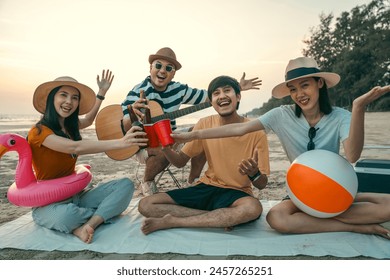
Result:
x=223 y=196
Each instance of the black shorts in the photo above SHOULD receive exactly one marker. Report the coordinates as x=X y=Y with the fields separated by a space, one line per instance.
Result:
x=206 y=197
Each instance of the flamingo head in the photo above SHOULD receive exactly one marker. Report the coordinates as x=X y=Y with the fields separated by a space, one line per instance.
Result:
x=12 y=142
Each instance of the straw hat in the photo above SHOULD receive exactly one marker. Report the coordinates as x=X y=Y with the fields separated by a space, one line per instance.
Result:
x=302 y=67
x=87 y=95
x=167 y=54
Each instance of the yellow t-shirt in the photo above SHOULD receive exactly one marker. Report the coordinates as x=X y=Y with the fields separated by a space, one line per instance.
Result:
x=224 y=155
x=48 y=164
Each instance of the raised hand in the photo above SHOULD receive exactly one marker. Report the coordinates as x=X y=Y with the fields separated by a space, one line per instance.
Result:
x=371 y=96
x=253 y=83
x=105 y=83
x=249 y=166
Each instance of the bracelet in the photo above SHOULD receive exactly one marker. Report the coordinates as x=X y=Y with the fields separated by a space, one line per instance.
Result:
x=255 y=177
x=101 y=97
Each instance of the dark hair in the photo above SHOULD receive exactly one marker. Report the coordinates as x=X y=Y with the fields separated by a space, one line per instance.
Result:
x=223 y=81
x=323 y=100
x=50 y=119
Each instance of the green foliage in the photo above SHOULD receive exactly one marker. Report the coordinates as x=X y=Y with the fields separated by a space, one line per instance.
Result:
x=356 y=46
x=271 y=103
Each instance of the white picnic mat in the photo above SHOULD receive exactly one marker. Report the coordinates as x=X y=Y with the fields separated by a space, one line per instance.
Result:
x=254 y=239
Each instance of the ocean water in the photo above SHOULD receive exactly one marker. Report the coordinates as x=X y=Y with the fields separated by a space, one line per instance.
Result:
x=12 y=123
x=17 y=122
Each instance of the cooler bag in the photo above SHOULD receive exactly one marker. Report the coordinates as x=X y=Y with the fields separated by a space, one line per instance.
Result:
x=373 y=175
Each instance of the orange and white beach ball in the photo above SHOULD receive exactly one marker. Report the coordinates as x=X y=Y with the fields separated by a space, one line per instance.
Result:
x=321 y=183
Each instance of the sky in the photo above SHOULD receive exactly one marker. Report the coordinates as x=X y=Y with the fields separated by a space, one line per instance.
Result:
x=41 y=40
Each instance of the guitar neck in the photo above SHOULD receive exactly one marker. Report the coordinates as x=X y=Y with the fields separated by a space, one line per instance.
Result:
x=181 y=112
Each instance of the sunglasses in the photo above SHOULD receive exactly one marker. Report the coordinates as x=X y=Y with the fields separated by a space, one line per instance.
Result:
x=312 y=133
x=168 y=68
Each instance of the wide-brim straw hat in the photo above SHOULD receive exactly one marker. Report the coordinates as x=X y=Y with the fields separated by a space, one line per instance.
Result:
x=167 y=54
x=87 y=95
x=302 y=67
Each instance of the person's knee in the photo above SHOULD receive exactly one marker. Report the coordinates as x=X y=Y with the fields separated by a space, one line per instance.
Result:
x=276 y=221
x=251 y=209
x=126 y=185
x=144 y=206
x=256 y=209
x=124 y=190
x=383 y=203
x=44 y=218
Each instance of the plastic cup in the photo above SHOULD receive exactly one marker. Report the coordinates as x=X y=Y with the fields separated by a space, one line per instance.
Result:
x=152 y=136
x=163 y=130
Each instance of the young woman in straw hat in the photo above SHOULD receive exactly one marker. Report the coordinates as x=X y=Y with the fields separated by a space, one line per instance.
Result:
x=307 y=85
x=56 y=142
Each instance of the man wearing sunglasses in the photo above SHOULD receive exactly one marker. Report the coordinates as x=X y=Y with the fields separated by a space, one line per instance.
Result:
x=160 y=87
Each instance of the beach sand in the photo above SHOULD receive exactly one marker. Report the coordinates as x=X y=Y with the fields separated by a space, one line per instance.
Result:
x=103 y=168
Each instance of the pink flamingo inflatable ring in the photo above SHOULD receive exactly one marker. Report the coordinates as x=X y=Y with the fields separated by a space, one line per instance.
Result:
x=27 y=191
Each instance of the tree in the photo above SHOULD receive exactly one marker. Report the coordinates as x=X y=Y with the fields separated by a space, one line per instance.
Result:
x=356 y=46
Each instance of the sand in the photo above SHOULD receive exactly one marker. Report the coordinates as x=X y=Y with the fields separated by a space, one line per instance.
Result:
x=377 y=133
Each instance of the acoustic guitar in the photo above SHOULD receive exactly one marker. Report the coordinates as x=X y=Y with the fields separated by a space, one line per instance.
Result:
x=109 y=125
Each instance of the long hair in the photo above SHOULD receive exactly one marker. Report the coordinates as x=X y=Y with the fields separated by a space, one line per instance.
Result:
x=323 y=100
x=50 y=119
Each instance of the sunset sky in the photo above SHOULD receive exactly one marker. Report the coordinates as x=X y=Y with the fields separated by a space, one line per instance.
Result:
x=43 y=39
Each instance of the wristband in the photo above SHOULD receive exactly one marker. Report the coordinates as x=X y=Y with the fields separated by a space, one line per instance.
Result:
x=101 y=97
x=255 y=177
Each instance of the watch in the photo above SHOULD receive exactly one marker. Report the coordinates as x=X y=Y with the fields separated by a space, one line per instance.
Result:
x=255 y=177
x=101 y=97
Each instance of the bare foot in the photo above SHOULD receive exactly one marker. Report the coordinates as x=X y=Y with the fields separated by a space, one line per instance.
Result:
x=150 y=225
x=85 y=233
x=386 y=229
x=374 y=229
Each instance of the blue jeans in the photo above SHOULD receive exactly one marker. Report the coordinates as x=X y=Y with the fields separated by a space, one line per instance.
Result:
x=107 y=200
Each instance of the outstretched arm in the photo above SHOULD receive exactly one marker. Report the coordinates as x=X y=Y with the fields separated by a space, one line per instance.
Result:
x=134 y=137
x=353 y=145
x=104 y=84
x=253 y=83
x=229 y=130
